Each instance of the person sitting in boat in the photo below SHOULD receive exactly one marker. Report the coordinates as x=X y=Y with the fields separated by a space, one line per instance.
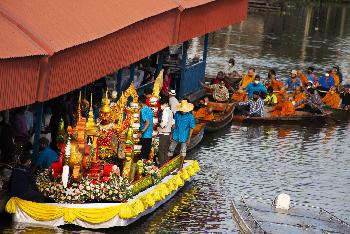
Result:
x=22 y=181
x=311 y=75
x=281 y=93
x=325 y=83
x=256 y=86
x=313 y=102
x=284 y=108
x=230 y=68
x=204 y=112
x=345 y=99
x=302 y=77
x=293 y=81
x=273 y=82
x=332 y=98
x=256 y=106
x=271 y=98
x=299 y=96
x=220 y=77
x=240 y=95
x=334 y=74
x=248 y=78
x=220 y=92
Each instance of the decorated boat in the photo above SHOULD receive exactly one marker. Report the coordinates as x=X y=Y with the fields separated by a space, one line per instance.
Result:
x=99 y=180
x=297 y=117
x=145 y=197
x=257 y=215
x=223 y=114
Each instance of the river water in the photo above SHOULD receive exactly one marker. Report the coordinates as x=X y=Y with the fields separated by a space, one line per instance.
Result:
x=310 y=161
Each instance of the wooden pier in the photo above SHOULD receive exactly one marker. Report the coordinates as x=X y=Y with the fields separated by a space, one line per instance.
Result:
x=265 y=5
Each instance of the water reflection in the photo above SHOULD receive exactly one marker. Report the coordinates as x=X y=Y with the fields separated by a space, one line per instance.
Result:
x=312 y=35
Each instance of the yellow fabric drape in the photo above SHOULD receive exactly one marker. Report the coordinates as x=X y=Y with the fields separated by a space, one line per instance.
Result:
x=131 y=209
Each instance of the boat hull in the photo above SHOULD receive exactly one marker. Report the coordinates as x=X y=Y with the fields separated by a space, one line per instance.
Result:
x=143 y=203
x=226 y=118
x=281 y=119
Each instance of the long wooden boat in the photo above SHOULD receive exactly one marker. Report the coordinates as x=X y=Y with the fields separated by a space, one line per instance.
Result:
x=146 y=199
x=298 y=117
x=339 y=113
x=197 y=136
x=223 y=113
x=256 y=215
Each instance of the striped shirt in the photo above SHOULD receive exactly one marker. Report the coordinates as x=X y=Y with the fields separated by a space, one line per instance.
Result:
x=255 y=107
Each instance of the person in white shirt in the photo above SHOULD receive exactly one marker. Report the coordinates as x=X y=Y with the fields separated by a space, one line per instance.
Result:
x=173 y=102
x=230 y=68
x=164 y=131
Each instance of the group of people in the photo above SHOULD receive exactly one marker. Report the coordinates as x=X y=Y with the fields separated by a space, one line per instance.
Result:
x=301 y=91
x=176 y=123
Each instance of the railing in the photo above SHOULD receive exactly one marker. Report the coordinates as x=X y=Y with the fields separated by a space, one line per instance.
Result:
x=190 y=77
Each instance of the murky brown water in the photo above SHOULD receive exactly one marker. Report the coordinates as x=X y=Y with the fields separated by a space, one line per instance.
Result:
x=310 y=162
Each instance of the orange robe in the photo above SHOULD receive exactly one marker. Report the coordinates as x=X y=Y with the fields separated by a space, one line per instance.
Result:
x=247 y=80
x=281 y=94
x=204 y=114
x=285 y=108
x=303 y=79
x=336 y=79
x=300 y=97
x=332 y=100
x=276 y=85
x=240 y=97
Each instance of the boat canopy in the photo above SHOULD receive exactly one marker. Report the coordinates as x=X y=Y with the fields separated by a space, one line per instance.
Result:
x=50 y=48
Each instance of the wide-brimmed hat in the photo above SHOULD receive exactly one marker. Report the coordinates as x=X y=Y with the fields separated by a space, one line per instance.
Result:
x=184 y=106
x=172 y=92
x=294 y=72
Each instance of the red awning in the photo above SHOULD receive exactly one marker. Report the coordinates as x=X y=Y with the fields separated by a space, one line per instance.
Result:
x=48 y=48
x=203 y=16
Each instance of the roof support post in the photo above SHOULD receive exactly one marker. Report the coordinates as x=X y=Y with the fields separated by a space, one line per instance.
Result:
x=132 y=74
x=205 y=50
x=183 y=67
x=119 y=82
x=39 y=108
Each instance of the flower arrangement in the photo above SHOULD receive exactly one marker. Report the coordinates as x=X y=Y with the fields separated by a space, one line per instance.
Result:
x=147 y=167
x=116 y=189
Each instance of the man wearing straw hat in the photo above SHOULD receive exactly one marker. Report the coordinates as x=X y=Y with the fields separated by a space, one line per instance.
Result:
x=182 y=130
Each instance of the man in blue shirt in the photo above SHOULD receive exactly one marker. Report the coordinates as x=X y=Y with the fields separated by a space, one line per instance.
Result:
x=293 y=81
x=325 y=82
x=146 y=128
x=46 y=156
x=256 y=86
x=182 y=130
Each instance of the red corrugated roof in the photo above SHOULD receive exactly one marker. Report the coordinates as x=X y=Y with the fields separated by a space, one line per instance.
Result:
x=61 y=24
x=185 y=4
x=87 y=39
x=15 y=43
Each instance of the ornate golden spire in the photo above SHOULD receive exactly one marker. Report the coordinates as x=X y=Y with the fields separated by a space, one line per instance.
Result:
x=79 y=108
x=106 y=108
x=90 y=125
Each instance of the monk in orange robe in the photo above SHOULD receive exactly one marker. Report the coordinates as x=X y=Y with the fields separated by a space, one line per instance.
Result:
x=335 y=77
x=248 y=78
x=276 y=84
x=204 y=113
x=281 y=93
x=332 y=99
x=240 y=96
x=283 y=108
x=302 y=77
x=299 y=96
